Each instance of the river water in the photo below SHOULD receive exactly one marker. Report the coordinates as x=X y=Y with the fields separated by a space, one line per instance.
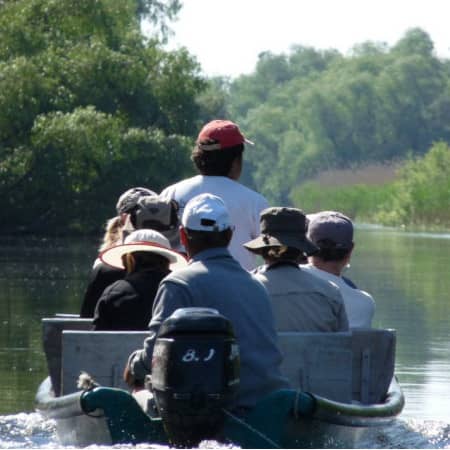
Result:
x=407 y=273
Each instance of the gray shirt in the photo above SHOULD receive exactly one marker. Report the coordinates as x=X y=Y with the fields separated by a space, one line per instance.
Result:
x=214 y=279
x=302 y=301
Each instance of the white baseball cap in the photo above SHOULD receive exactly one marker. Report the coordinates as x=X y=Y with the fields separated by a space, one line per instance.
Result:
x=206 y=212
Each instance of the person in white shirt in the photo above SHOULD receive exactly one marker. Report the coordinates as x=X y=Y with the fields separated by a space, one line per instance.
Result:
x=218 y=156
x=332 y=232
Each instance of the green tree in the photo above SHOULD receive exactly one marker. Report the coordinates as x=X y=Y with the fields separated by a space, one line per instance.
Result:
x=89 y=107
x=418 y=198
x=422 y=192
x=213 y=101
x=330 y=111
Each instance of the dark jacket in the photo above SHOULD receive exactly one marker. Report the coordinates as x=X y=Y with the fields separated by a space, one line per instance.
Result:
x=101 y=277
x=127 y=304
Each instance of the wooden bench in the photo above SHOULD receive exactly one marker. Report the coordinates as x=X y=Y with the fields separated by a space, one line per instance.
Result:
x=318 y=362
x=102 y=354
x=52 y=329
x=356 y=365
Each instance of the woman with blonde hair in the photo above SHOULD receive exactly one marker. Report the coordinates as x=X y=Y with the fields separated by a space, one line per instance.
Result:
x=116 y=228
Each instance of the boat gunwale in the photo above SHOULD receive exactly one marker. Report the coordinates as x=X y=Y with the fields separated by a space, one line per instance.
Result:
x=360 y=415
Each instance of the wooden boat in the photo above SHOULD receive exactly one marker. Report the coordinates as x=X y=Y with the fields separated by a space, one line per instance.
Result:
x=349 y=378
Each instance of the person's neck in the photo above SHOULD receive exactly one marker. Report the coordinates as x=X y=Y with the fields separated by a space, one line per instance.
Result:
x=275 y=262
x=194 y=251
x=235 y=170
x=333 y=267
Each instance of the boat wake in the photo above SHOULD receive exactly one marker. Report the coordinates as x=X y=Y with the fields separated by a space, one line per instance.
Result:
x=27 y=430
x=410 y=433
x=31 y=430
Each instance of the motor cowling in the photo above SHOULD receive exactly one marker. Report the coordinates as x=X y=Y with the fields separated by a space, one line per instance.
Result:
x=195 y=374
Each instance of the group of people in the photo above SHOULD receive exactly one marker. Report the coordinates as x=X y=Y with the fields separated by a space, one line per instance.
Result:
x=197 y=243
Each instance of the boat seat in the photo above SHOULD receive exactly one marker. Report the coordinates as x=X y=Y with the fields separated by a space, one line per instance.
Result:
x=102 y=354
x=52 y=328
x=319 y=363
x=347 y=366
x=373 y=363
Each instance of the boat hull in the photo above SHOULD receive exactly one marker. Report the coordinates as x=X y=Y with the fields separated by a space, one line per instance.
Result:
x=108 y=416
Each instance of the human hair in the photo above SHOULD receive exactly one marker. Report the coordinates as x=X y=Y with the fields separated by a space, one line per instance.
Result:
x=137 y=261
x=282 y=253
x=202 y=240
x=113 y=234
x=216 y=162
x=329 y=252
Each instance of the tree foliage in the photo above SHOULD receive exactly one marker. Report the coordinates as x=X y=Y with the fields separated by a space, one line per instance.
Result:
x=418 y=198
x=421 y=196
x=88 y=108
x=312 y=110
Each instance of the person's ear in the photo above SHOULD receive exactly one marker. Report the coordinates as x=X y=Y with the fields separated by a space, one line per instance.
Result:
x=236 y=168
x=123 y=218
x=183 y=236
x=351 y=250
x=229 y=234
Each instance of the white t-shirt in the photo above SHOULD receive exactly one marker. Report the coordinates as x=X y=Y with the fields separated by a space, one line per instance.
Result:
x=359 y=305
x=244 y=206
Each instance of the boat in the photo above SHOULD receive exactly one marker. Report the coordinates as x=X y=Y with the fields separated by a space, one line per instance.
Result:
x=342 y=385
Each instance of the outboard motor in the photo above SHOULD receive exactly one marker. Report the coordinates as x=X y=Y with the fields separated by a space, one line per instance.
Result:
x=195 y=374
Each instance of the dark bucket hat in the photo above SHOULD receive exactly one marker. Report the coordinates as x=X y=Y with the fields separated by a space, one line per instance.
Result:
x=282 y=226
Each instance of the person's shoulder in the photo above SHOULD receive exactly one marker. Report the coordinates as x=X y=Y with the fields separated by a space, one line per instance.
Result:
x=259 y=274
x=244 y=196
x=351 y=290
x=364 y=296
x=321 y=284
x=179 y=185
x=310 y=269
x=100 y=268
x=258 y=277
x=321 y=274
x=181 y=276
x=115 y=289
x=349 y=282
x=249 y=192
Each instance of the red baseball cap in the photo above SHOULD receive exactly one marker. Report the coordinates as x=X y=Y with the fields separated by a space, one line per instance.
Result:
x=225 y=134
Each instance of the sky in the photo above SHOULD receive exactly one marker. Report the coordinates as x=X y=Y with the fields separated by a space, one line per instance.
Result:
x=226 y=36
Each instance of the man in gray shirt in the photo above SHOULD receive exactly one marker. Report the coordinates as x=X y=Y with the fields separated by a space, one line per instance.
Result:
x=300 y=301
x=214 y=279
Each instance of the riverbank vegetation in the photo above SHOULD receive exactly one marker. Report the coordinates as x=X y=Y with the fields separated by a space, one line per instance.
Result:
x=311 y=111
x=418 y=198
x=89 y=106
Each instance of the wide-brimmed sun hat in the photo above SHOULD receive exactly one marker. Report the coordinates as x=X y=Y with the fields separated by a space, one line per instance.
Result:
x=143 y=241
x=282 y=226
